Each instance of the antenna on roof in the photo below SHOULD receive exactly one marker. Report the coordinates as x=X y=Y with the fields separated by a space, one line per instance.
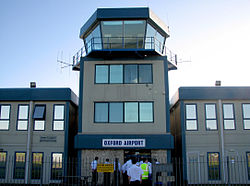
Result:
x=64 y=64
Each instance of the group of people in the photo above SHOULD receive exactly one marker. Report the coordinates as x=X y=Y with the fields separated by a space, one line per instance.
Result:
x=134 y=172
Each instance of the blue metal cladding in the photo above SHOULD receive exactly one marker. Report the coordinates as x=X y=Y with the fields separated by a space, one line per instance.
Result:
x=38 y=94
x=89 y=141
x=199 y=93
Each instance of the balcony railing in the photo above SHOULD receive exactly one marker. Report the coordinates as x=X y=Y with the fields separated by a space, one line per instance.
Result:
x=123 y=43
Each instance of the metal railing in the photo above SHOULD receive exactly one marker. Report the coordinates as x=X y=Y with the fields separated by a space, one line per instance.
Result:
x=124 y=43
x=198 y=172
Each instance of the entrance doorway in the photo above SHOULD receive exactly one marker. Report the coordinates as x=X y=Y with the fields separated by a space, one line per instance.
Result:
x=139 y=154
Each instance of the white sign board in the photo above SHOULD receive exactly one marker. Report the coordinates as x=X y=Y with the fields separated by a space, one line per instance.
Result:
x=123 y=142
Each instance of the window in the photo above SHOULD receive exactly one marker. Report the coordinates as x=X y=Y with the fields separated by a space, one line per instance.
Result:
x=131 y=112
x=58 y=121
x=56 y=167
x=101 y=112
x=210 y=114
x=246 y=116
x=115 y=112
x=248 y=164
x=191 y=117
x=19 y=165
x=154 y=40
x=23 y=116
x=3 y=156
x=146 y=112
x=145 y=73
x=129 y=74
x=134 y=32
x=123 y=112
x=116 y=74
x=112 y=33
x=101 y=73
x=213 y=166
x=228 y=114
x=93 y=40
x=37 y=164
x=4 y=117
x=39 y=117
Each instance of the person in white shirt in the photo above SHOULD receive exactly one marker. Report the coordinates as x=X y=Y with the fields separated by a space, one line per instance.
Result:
x=94 y=171
x=135 y=174
x=125 y=168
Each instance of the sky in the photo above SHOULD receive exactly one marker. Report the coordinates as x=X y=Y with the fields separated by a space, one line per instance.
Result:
x=210 y=37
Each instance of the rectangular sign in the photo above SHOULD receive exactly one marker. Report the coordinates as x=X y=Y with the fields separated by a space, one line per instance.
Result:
x=123 y=143
x=105 y=167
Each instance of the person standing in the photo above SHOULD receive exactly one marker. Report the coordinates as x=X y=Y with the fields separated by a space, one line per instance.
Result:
x=145 y=176
x=135 y=174
x=94 y=171
x=106 y=178
x=125 y=168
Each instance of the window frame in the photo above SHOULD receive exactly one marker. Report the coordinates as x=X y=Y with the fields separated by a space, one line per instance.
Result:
x=228 y=119
x=64 y=116
x=14 y=168
x=51 y=166
x=5 y=164
x=5 y=119
x=18 y=111
x=123 y=102
x=196 y=117
x=243 y=118
x=41 y=168
x=123 y=75
x=43 y=119
x=211 y=119
x=208 y=167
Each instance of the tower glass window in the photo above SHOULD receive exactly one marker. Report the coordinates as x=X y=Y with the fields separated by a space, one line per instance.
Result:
x=23 y=114
x=191 y=117
x=112 y=32
x=134 y=33
x=4 y=117
x=246 y=116
x=93 y=40
x=228 y=114
x=210 y=112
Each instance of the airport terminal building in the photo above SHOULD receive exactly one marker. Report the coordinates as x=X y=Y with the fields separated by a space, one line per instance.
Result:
x=124 y=92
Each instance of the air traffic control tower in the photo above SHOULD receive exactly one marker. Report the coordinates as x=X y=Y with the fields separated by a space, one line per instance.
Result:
x=124 y=90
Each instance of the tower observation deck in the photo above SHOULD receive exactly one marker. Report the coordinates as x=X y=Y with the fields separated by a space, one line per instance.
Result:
x=124 y=32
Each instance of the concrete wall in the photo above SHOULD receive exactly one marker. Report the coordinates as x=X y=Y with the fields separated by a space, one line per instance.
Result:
x=124 y=92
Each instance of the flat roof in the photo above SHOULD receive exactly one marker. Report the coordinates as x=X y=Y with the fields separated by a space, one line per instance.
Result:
x=38 y=94
x=131 y=13
x=211 y=93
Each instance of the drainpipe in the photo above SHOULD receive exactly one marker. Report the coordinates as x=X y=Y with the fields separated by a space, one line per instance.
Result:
x=222 y=140
x=28 y=145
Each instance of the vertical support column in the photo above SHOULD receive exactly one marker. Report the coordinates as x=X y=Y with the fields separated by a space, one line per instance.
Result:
x=28 y=145
x=222 y=143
